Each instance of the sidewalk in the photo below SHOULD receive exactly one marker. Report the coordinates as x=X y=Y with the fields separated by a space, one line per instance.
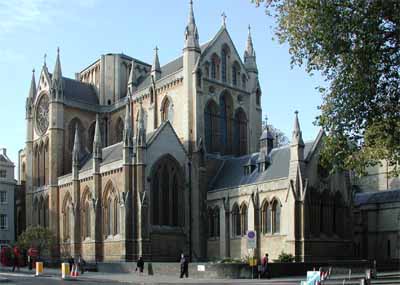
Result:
x=135 y=277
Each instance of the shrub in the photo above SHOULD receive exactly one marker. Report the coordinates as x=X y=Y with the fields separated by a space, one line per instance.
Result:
x=285 y=257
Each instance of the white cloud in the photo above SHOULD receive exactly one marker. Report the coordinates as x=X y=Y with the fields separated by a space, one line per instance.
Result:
x=32 y=14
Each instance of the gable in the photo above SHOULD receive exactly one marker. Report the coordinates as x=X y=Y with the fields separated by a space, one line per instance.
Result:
x=221 y=39
x=44 y=82
x=162 y=142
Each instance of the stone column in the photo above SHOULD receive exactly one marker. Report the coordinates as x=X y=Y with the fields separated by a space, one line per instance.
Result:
x=227 y=240
x=76 y=227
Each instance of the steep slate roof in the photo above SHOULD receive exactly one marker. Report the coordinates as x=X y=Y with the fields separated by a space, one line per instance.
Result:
x=168 y=69
x=78 y=91
x=389 y=196
x=231 y=174
x=110 y=154
x=75 y=90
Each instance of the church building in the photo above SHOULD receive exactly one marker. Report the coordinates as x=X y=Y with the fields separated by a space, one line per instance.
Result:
x=134 y=159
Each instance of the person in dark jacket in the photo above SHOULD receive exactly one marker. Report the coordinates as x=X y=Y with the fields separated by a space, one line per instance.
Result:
x=71 y=262
x=184 y=266
x=140 y=265
x=81 y=264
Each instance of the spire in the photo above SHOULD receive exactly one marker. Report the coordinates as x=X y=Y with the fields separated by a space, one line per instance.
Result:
x=56 y=83
x=128 y=126
x=155 y=68
x=141 y=130
x=297 y=138
x=249 y=46
x=97 y=153
x=76 y=149
x=250 y=54
x=32 y=90
x=132 y=79
x=191 y=33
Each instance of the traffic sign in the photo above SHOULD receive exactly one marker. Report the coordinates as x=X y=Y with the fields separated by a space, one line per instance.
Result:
x=251 y=239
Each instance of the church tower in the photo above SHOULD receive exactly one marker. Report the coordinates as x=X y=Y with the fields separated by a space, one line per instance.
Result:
x=56 y=143
x=29 y=145
x=191 y=53
x=253 y=87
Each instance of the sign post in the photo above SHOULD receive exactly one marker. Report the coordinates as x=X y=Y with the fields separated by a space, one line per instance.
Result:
x=252 y=244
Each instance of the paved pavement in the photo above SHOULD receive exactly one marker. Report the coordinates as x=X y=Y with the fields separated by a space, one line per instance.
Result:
x=53 y=276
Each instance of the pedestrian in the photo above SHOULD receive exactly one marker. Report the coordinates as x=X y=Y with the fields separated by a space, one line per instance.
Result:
x=71 y=262
x=140 y=265
x=184 y=266
x=16 y=258
x=265 y=266
x=81 y=264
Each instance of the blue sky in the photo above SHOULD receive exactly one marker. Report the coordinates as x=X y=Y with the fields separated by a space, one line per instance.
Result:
x=85 y=29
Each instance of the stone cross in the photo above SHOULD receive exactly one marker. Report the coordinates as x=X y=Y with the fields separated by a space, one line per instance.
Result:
x=223 y=15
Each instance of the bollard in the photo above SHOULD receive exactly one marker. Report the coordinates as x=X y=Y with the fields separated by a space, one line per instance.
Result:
x=39 y=268
x=349 y=273
x=65 y=270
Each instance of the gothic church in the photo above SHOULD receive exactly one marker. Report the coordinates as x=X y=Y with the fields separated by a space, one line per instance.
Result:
x=134 y=159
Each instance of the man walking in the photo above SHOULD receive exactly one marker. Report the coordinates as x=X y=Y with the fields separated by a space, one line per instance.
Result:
x=265 y=266
x=16 y=258
x=184 y=266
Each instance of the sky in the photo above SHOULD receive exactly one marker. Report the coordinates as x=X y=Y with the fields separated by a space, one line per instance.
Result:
x=86 y=29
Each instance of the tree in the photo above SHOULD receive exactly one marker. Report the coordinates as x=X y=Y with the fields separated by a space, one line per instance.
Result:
x=39 y=237
x=280 y=139
x=354 y=44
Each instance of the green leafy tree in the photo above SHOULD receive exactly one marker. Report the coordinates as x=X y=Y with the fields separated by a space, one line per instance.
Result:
x=38 y=237
x=354 y=44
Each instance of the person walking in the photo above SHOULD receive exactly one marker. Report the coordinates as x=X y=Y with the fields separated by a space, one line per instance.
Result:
x=71 y=262
x=81 y=264
x=140 y=265
x=16 y=258
x=184 y=266
x=265 y=266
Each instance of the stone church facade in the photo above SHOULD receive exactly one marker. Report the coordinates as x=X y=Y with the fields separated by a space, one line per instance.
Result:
x=134 y=159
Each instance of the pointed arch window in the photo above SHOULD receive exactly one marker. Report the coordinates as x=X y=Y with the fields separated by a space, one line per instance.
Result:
x=244 y=81
x=243 y=219
x=236 y=223
x=119 y=130
x=276 y=217
x=240 y=133
x=165 y=191
x=211 y=126
x=67 y=218
x=226 y=122
x=224 y=60
x=165 y=110
x=215 y=66
x=235 y=74
x=266 y=218
x=85 y=214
